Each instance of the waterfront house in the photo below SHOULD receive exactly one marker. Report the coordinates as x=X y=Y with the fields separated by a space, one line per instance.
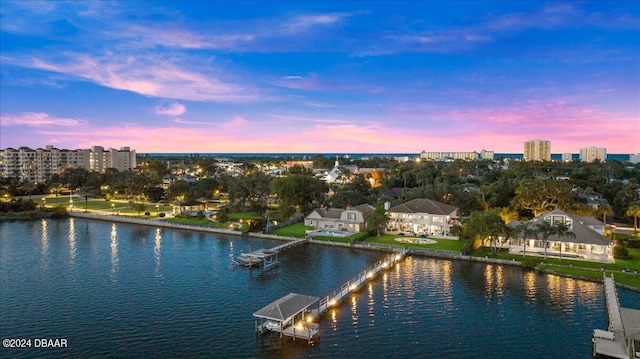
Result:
x=422 y=216
x=588 y=243
x=352 y=219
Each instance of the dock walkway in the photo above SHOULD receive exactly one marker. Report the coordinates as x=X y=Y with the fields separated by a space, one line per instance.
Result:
x=299 y=324
x=354 y=284
x=267 y=258
x=611 y=343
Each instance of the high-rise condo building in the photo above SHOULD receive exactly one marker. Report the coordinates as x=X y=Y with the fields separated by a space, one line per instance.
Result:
x=38 y=165
x=590 y=154
x=537 y=150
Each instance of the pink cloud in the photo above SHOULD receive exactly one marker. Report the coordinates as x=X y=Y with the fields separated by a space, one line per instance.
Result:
x=38 y=119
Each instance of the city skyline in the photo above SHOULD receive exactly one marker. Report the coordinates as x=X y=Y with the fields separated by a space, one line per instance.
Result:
x=313 y=77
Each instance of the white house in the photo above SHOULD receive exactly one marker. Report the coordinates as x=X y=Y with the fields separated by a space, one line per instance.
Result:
x=352 y=220
x=588 y=243
x=422 y=216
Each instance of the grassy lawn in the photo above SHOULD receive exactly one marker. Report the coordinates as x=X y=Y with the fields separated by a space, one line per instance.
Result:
x=238 y=216
x=94 y=204
x=442 y=244
x=194 y=221
x=578 y=268
x=295 y=230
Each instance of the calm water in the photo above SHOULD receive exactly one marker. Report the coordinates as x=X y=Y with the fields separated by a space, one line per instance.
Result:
x=116 y=290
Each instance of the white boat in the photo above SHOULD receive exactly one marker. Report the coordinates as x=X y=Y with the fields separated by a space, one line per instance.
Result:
x=271 y=325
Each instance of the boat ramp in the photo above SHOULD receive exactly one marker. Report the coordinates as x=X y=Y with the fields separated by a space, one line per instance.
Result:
x=293 y=314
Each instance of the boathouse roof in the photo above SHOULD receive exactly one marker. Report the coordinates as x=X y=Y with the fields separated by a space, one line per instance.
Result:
x=286 y=307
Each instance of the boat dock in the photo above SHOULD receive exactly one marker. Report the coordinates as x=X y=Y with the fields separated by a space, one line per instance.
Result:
x=292 y=315
x=265 y=258
x=356 y=282
x=622 y=339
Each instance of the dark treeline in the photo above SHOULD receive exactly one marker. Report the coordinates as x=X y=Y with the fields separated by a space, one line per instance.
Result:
x=519 y=189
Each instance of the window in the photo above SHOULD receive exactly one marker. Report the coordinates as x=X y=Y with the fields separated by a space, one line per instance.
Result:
x=351 y=216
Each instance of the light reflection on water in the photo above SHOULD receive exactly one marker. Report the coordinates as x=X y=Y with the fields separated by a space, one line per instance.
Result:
x=171 y=293
x=72 y=241
x=156 y=251
x=114 y=252
x=45 y=240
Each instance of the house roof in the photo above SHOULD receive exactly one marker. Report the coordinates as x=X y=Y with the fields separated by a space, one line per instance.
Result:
x=329 y=212
x=424 y=205
x=589 y=221
x=286 y=307
x=335 y=213
x=364 y=208
x=584 y=234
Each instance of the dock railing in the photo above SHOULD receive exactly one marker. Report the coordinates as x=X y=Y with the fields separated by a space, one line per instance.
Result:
x=354 y=284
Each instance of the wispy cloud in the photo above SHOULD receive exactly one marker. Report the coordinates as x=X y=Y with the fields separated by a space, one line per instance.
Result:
x=186 y=122
x=306 y=22
x=307 y=119
x=150 y=75
x=38 y=119
x=170 y=109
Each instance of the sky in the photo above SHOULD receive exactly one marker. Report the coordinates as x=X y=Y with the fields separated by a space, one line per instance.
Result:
x=320 y=77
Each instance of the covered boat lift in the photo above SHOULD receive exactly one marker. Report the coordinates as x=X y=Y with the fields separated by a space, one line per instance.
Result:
x=289 y=316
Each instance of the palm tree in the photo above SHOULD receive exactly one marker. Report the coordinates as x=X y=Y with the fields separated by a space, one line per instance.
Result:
x=545 y=229
x=634 y=211
x=563 y=231
x=527 y=233
x=605 y=210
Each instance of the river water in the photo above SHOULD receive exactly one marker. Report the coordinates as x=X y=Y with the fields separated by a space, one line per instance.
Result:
x=128 y=291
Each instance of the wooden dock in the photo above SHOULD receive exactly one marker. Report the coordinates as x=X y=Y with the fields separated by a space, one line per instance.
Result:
x=265 y=258
x=611 y=343
x=293 y=315
x=356 y=282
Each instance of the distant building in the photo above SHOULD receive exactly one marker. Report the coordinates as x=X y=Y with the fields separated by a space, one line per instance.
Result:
x=590 y=154
x=567 y=157
x=38 y=165
x=634 y=158
x=537 y=150
x=449 y=156
x=487 y=155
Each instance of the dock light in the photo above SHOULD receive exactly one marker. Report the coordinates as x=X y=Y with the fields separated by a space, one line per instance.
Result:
x=370 y=274
x=385 y=265
x=332 y=302
x=300 y=326
x=397 y=257
x=353 y=286
x=309 y=318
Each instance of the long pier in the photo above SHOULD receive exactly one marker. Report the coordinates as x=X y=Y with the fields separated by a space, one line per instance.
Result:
x=354 y=284
x=611 y=343
x=298 y=323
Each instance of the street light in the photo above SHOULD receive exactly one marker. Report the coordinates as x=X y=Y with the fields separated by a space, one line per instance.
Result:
x=113 y=207
x=158 y=209
x=43 y=202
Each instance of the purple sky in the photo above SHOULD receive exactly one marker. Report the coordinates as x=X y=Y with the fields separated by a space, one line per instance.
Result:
x=320 y=77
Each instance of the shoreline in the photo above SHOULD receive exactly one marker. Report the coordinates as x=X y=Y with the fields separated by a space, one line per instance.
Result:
x=442 y=254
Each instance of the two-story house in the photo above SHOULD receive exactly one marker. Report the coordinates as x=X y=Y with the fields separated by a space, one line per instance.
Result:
x=352 y=219
x=422 y=216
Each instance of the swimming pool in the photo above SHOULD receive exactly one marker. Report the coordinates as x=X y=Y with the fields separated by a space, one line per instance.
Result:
x=330 y=233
